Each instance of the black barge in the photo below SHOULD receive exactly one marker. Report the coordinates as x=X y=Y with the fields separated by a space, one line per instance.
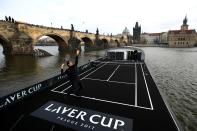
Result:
x=120 y=95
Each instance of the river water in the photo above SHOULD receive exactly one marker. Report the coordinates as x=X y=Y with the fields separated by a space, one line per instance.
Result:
x=173 y=69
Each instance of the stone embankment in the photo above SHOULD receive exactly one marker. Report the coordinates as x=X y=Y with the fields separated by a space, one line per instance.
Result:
x=41 y=53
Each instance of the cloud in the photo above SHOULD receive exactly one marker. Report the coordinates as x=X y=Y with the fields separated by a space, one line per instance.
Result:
x=108 y=15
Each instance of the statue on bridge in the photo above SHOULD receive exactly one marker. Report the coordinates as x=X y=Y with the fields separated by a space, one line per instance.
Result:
x=72 y=27
x=6 y=18
x=13 y=21
x=9 y=19
x=97 y=31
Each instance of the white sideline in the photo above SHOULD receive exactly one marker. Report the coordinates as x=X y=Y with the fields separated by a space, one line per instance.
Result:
x=147 y=89
x=135 y=85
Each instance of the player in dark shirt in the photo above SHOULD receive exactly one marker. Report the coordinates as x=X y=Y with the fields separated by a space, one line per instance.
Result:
x=72 y=74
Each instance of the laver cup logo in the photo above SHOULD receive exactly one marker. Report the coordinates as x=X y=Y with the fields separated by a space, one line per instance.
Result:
x=82 y=119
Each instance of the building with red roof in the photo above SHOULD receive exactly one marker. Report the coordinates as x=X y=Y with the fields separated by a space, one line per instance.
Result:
x=182 y=38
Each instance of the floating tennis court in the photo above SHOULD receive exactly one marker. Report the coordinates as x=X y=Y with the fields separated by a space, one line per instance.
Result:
x=117 y=83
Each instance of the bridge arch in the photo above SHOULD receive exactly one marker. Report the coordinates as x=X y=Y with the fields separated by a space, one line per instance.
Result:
x=105 y=43
x=125 y=43
x=117 y=42
x=62 y=43
x=7 y=47
x=88 y=43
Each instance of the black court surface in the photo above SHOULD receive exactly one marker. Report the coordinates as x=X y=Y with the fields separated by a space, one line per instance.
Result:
x=119 y=96
x=114 y=83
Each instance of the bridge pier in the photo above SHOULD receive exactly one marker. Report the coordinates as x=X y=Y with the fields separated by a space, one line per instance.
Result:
x=25 y=50
x=22 y=46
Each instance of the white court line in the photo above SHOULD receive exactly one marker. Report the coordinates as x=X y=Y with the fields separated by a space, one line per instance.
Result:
x=122 y=82
x=15 y=124
x=113 y=72
x=94 y=71
x=60 y=85
x=66 y=88
x=113 y=102
x=120 y=63
x=135 y=85
x=53 y=126
x=83 y=77
x=98 y=80
x=94 y=79
x=109 y=81
x=89 y=69
x=68 y=80
x=57 y=91
x=147 y=88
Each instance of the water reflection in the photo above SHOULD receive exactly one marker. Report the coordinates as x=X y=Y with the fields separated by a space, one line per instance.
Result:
x=2 y=59
x=20 y=64
x=17 y=72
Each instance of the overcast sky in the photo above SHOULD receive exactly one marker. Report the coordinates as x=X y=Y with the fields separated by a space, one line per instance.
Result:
x=110 y=16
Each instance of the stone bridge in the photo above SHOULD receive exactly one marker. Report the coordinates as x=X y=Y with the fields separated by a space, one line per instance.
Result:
x=20 y=38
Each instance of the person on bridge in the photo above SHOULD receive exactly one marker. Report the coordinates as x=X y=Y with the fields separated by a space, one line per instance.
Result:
x=72 y=74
